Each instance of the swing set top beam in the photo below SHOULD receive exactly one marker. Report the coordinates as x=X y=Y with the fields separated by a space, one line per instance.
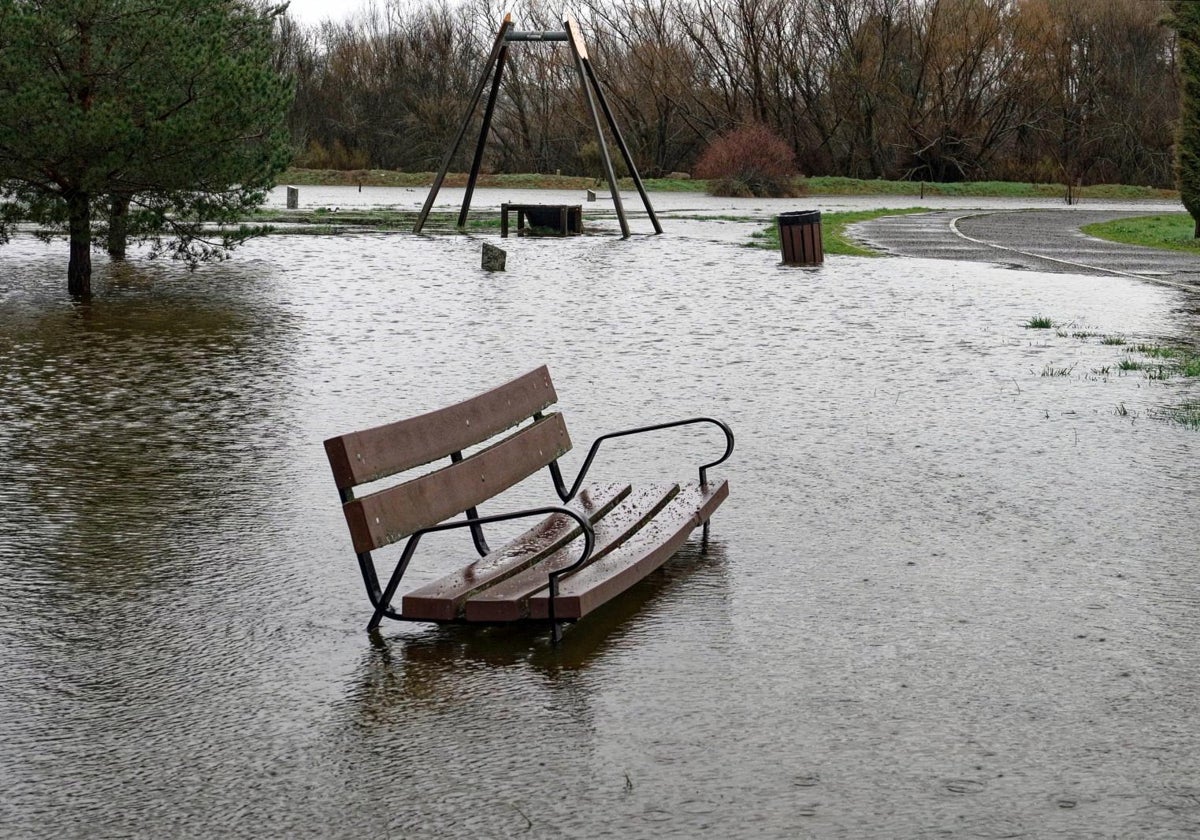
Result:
x=528 y=35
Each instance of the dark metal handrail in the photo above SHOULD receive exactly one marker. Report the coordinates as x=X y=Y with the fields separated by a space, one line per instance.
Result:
x=382 y=607
x=566 y=495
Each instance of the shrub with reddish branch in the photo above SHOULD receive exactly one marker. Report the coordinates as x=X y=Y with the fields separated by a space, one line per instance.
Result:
x=749 y=161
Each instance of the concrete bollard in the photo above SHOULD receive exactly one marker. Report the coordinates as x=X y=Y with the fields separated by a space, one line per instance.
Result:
x=493 y=258
x=591 y=196
x=293 y=198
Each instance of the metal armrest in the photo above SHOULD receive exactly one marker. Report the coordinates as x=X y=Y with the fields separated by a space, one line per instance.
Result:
x=566 y=494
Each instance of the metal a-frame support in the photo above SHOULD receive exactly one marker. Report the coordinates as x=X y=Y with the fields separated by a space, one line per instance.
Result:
x=592 y=92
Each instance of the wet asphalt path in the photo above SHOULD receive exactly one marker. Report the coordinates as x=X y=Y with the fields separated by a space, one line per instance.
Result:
x=1040 y=240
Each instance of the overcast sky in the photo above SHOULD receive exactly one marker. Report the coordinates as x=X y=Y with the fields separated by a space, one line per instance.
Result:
x=315 y=11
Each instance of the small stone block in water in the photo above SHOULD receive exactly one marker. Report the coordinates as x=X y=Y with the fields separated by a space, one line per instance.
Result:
x=493 y=258
x=591 y=196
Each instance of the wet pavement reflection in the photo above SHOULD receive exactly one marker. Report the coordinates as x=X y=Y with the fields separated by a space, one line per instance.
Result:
x=950 y=594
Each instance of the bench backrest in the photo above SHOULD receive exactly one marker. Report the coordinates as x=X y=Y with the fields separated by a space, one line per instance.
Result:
x=396 y=512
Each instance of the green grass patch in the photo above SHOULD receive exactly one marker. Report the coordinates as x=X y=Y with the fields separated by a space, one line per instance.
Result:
x=1174 y=361
x=1157 y=351
x=818 y=185
x=331 y=220
x=1186 y=414
x=1166 y=362
x=833 y=185
x=520 y=181
x=1039 y=322
x=1171 y=231
x=833 y=231
x=1114 y=340
x=1052 y=370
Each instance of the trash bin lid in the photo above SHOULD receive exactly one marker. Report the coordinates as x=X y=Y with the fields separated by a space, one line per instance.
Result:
x=800 y=217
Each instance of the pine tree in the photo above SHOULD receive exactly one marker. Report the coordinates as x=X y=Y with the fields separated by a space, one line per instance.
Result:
x=167 y=109
x=1185 y=19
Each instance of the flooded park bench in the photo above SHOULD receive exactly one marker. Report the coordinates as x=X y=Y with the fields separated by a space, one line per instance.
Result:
x=556 y=219
x=589 y=546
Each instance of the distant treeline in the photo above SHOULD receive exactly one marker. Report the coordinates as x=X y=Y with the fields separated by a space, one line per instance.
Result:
x=939 y=90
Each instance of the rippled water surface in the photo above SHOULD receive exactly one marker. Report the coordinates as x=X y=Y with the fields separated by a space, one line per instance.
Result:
x=948 y=596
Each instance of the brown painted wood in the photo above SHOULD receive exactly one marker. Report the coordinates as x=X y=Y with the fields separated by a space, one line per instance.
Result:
x=652 y=546
x=359 y=457
x=579 y=51
x=442 y=600
x=508 y=600
x=801 y=244
x=575 y=35
x=392 y=514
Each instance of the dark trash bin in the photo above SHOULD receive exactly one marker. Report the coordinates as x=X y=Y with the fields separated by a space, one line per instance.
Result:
x=800 y=237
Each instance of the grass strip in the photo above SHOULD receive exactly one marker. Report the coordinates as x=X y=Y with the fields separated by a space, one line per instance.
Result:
x=833 y=231
x=1171 y=231
x=817 y=185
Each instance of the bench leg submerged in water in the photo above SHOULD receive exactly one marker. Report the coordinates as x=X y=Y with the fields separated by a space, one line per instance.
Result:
x=595 y=545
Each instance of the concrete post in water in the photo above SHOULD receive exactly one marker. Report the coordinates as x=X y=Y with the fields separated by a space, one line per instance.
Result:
x=293 y=198
x=493 y=258
x=591 y=196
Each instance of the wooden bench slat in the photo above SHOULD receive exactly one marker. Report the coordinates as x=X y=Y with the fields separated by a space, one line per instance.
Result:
x=442 y=599
x=359 y=457
x=506 y=601
x=598 y=582
x=392 y=514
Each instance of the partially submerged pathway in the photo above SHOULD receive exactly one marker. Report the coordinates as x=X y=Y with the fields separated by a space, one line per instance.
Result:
x=1041 y=240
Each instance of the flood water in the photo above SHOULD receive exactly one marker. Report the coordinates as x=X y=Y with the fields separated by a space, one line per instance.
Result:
x=949 y=595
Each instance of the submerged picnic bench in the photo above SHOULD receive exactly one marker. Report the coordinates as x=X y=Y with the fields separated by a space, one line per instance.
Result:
x=588 y=547
x=559 y=219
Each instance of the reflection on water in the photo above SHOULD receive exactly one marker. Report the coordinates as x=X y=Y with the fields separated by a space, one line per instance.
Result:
x=504 y=703
x=130 y=424
x=431 y=667
x=948 y=595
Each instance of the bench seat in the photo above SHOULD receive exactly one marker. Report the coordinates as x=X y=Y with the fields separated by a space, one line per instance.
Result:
x=652 y=546
x=510 y=600
x=443 y=599
x=636 y=532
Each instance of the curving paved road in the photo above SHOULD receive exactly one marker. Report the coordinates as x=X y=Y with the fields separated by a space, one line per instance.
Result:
x=1042 y=240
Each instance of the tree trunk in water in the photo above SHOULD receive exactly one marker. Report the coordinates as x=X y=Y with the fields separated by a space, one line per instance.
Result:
x=1196 y=234
x=79 y=269
x=118 y=226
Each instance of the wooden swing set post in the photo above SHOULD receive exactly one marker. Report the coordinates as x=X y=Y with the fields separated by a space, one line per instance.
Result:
x=593 y=93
